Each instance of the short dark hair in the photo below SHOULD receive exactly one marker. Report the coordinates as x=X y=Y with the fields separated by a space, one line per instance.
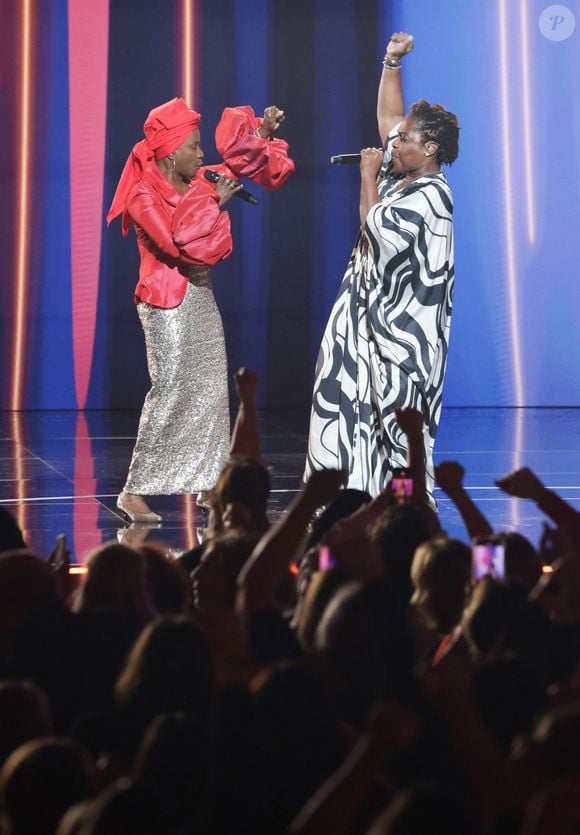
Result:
x=435 y=123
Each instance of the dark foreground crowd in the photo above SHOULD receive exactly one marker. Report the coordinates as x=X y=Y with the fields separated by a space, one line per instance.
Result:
x=337 y=672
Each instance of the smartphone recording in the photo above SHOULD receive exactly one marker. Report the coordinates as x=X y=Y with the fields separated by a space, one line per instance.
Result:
x=401 y=484
x=325 y=558
x=488 y=560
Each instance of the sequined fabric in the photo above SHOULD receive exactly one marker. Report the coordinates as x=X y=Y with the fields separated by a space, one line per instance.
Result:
x=183 y=438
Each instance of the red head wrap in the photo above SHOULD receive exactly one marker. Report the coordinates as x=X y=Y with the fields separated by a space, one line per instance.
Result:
x=165 y=128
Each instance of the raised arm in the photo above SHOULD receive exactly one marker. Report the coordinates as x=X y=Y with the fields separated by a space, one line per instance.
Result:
x=246 y=434
x=249 y=147
x=273 y=554
x=390 y=105
x=411 y=422
x=449 y=477
x=524 y=484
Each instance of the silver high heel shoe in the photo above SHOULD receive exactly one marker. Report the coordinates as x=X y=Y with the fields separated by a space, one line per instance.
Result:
x=204 y=499
x=136 y=517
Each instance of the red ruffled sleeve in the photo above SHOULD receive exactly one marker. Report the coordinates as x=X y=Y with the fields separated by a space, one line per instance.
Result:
x=265 y=161
x=201 y=232
x=198 y=233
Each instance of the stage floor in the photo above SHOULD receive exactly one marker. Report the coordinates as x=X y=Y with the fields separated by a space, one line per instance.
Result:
x=60 y=472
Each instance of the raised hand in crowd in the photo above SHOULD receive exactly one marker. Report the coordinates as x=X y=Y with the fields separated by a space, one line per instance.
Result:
x=59 y=557
x=524 y=484
x=449 y=477
x=277 y=549
x=410 y=420
x=411 y=423
x=59 y=561
x=246 y=380
x=245 y=438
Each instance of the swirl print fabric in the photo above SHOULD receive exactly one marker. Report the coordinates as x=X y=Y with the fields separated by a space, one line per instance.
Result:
x=385 y=344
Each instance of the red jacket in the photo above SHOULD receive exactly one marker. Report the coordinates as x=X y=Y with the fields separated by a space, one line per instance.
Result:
x=176 y=231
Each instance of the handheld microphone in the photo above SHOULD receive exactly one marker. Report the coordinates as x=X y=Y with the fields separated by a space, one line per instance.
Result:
x=213 y=177
x=345 y=159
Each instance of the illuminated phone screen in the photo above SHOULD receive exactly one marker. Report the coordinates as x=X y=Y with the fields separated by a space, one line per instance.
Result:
x=488 y=560
x=402 y=488
x=325 y=558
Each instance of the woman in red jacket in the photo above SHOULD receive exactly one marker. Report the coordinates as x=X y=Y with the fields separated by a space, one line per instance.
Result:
x=183 y=437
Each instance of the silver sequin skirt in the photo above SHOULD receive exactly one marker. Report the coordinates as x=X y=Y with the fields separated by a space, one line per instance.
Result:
x=183 y=439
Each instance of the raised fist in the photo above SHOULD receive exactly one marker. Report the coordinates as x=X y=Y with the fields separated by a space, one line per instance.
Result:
x=399 y=45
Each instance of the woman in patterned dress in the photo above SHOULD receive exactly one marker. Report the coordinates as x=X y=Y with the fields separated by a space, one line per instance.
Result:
x=385 y=344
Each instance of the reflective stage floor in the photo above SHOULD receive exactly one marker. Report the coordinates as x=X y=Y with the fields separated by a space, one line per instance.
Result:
x=60 y=472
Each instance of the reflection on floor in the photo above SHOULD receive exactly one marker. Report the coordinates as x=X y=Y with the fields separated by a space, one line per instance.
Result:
x=62 y=471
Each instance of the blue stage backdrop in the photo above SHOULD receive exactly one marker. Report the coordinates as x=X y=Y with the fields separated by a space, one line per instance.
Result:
x=77 y=80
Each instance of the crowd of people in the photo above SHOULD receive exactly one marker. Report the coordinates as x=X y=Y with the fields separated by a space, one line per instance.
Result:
x=336 y=672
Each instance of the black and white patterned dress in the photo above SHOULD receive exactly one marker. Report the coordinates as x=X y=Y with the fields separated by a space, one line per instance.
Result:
x=385 y=344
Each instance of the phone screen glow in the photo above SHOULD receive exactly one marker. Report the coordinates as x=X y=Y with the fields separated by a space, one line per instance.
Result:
x=325 y=558
x=488 y=561
x=402 y=487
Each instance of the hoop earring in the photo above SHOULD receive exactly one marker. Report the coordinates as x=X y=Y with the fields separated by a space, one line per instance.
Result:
x=172 y=158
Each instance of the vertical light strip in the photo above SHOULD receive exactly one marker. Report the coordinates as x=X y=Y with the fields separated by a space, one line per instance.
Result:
x=17 y=436
x=88 y=40
x=188 y=87
x=518 y=444
x=23 y=145
x=189 y=511
x=527 y=119
x=509 y=208
x=187 y=63
x=86 y=532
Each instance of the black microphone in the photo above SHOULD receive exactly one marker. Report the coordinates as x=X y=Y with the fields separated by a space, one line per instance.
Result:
x=345 y=159
x=213 y=177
